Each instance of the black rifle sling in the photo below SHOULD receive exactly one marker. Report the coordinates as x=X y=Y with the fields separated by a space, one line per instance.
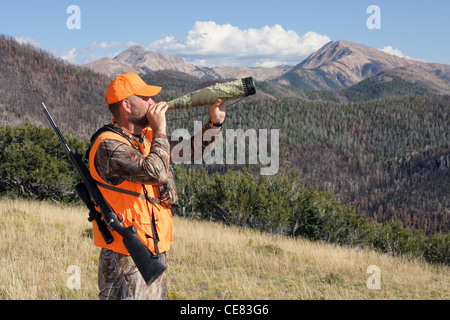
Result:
x=106 y=127
x=152 y=223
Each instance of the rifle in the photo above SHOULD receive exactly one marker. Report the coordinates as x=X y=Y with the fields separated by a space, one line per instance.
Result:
x=147 y=263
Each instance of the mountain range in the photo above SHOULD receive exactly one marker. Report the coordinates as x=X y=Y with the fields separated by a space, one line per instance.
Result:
x=139 y=60
x=380 y=142
x=337 y=65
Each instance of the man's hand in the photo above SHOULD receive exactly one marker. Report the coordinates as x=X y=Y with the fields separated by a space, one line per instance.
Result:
x=217 y=111
x=156 y=115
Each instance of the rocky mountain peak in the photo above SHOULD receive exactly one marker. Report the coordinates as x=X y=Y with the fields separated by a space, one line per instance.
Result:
x=341 y=64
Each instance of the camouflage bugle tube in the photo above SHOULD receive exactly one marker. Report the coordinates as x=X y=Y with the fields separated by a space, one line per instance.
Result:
x=224 y=91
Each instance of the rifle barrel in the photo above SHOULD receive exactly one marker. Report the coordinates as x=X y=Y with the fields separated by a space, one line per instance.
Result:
x=55 y=127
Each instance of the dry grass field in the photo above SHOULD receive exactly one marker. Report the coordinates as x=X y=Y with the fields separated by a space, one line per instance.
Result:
x=41 y=242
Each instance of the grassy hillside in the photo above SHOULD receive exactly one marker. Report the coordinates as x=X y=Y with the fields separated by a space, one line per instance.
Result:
x=207 y=261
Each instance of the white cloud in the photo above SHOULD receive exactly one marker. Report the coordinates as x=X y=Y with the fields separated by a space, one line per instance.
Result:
x=226 y=44
x=28 y=40
x=395 y=52
x=270 y=63
x=93 y=51
x=398 y=53
x=69 y=55
x=210 y=44
x=108 y=45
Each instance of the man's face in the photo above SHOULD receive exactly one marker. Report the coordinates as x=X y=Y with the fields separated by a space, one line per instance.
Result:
x=140 y=107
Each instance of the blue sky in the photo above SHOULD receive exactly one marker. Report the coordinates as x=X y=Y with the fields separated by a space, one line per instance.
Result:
x=244 y=33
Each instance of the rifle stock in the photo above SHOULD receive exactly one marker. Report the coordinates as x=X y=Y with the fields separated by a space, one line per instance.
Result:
x=147 y=263
x=83 y=194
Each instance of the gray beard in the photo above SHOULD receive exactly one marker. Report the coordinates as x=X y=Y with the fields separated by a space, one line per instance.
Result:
x=142 y=122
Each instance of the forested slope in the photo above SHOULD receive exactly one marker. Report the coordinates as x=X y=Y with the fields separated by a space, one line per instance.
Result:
x=389 y=156
x=29 y=76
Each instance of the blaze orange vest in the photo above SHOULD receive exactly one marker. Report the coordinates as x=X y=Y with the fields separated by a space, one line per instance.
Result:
x=129 y=202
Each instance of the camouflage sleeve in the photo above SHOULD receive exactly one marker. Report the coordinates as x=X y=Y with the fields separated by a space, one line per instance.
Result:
x=117 y=161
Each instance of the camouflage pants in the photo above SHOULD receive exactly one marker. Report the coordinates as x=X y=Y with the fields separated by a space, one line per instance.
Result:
x=119 y=279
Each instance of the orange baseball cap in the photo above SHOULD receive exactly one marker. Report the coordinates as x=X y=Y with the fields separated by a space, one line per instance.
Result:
x=126 y=85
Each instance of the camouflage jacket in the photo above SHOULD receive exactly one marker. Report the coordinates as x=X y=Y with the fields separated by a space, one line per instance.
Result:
x=117 y=161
